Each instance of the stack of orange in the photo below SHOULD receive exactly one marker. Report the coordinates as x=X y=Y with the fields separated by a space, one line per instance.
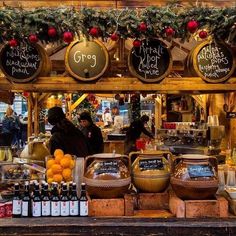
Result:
x=59 y=167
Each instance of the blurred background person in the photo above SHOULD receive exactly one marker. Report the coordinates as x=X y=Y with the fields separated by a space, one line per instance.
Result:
x=107 y=118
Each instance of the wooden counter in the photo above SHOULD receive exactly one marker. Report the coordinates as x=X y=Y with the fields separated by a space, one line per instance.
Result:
x=117 y=226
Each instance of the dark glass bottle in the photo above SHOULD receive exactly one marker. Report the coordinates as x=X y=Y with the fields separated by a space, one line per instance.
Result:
x=16 y=202
x=46 y=203
x=36 y=202
x=26 y=202
x=65 y=204
x=55 y=201
x=70 y=189
x=74 y=201
x=83 y=201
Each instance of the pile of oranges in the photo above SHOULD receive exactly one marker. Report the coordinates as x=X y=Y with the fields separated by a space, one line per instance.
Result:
x=59 y=167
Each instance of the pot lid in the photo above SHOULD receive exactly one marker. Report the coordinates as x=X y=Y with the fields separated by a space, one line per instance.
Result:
x=107 y=155
x=195 y=156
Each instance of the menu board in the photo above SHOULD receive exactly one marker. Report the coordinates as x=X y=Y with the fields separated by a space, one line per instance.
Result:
x=150 y=62
x=196 y=171
x=107 y=167
x=86 y=60
x=151 y=164
x=22 y=63
x=214 y=62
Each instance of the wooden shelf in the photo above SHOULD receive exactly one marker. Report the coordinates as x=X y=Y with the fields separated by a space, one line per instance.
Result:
x=195 y=85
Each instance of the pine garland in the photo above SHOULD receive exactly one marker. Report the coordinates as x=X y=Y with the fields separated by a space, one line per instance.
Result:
x=19 y=23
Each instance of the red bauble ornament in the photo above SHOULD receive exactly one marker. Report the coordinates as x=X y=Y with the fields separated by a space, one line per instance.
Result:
x=142 y=27
x=169 y=31
x=68 y=37
x=13 y=43
x=94 y=32
x=192 y=26
x=114 y=37
x=26 y=94
x=33 y=38
x=203 y=34
x=52 y=32
x=137 y=43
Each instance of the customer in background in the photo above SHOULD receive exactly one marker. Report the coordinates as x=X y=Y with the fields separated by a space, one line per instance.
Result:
x=65 y=135
x=107 y=118
x=92 y=133
x=134 y=132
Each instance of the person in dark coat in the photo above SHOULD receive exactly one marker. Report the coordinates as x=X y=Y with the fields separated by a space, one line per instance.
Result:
x=134 y=132
x=65 y=135
x=92 y=133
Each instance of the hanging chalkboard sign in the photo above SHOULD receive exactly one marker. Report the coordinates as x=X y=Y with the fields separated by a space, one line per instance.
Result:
x=86 y=60
x=151 y=62
x=213 y=62
x=151 y=164
x=22 y=63
x=196 y=171
x=105 y=167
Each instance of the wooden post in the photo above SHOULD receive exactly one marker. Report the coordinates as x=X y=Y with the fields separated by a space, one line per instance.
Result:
x=30 y=120
x=36 y=114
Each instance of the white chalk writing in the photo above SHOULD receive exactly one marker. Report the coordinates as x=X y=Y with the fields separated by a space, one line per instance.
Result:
x=80 y=57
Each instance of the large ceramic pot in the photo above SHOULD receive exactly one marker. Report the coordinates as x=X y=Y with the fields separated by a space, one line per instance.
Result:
x=151 y=171
x=195 y=177
x=107 y=175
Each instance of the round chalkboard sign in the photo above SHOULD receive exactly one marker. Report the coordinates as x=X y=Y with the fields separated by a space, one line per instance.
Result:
x=22 y=63
x=151 y=62
x=213 y=62
x=86 y=60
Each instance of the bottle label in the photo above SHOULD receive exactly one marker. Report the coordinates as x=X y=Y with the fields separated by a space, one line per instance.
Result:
x=65 y=208
x=74 y=208
x=46 y=208
x=36 y=209
x=25 y=207
x=55 y=208
x=83 y=208
x=16 y=207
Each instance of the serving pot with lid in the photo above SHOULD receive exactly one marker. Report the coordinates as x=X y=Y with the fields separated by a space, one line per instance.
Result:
x=107 y=175
x=151 y=171
x=194 y=176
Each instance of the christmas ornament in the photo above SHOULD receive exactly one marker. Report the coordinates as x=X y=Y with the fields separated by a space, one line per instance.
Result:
x=94 y=32
x=13 y=43
x=68 y=37
x=203 y=34
x=137 y=43
x=33 y=38
x=142 y=27
x=192 y=26
x=26 y=94
x=169 y=31
x=114 y=37
x=52 y=32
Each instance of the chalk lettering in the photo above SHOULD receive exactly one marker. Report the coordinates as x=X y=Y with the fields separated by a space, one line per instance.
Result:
x=80 y=57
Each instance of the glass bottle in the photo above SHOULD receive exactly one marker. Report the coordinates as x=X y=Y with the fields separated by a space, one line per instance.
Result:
x=65 y=204
x=36 y=202
x=16 y=202
x=46 y=203
x=26 y=202
x=83 y=201
x=74 y=201
x=55 y=201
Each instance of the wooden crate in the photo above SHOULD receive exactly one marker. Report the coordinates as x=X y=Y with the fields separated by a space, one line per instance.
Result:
x=198 y=208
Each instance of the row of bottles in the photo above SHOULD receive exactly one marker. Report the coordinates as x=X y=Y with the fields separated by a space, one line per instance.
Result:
x=49 y=202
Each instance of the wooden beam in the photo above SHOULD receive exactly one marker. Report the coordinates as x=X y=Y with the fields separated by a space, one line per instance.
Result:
x=79 y=100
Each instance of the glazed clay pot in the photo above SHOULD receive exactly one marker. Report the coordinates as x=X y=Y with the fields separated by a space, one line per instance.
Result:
x=107 y=175
x=195 y=177
x=151 y=171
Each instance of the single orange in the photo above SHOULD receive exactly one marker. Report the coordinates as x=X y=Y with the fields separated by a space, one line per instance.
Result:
x=58 y=158
x=49 y=173
x=65 y=162
x=49 y=163
x=58 y=152
x=72 y=164
x=56 y=169
x=67 y=174
x=50 y=180
x=57 y=178
x=68 y=156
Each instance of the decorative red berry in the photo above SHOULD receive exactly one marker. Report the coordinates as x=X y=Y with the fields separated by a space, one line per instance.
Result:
x=26 y=94
x=68 y=37
x=13 y=43
x=52 y=32
x=94 y=32
x=33 y=38
x=192 y=26
x=137 y=43
x=142 y=27
x=203 y=34
x=114 y=37
x=169 y=31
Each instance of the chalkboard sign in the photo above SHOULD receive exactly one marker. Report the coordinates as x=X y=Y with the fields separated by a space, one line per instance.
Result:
x=22 y=63
x=151 y=62
x=196 y=171
x=107 y=167
x=213 y=62
x=86 y=60
x=151 y=164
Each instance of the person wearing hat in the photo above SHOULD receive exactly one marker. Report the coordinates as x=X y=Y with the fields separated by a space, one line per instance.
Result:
x=92 y=133
x=134 y=132
x=65 y=135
